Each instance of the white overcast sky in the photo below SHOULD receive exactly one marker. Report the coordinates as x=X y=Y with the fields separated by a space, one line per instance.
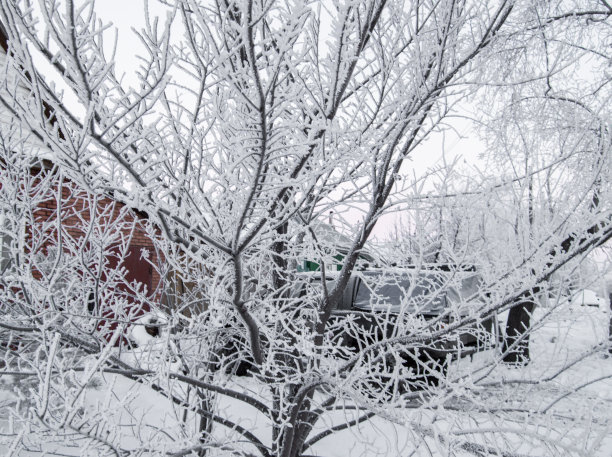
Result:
x=457 y=142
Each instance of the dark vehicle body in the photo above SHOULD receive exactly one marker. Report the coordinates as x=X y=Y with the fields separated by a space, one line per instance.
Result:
x=381 y=305
x=382 y=298
x=386 y=304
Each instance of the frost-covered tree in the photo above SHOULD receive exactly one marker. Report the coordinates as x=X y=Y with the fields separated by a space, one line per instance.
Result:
x=248 y=122
x=553 y=143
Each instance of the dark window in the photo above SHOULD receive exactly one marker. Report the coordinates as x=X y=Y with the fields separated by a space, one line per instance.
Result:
x=91 y=303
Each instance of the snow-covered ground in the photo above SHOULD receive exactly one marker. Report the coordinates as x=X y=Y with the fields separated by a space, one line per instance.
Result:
x=560 y=404
x=574 y=383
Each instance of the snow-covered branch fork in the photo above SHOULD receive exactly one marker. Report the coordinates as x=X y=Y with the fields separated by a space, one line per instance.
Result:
x=217 y=207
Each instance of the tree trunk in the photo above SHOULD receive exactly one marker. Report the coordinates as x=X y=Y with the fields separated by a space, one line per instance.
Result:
x=610 y=324
x=520 y=314
x=517 y=334
x=205 y=423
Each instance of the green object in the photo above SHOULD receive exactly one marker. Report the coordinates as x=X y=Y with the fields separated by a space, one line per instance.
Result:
x=309 y=265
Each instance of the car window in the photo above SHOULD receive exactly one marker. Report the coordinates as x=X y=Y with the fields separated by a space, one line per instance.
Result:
x=470 y=286
x=423 y=291
x=388 y=293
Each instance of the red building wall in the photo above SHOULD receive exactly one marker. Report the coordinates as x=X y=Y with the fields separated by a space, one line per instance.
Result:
x=112 y=246
x=76 y=208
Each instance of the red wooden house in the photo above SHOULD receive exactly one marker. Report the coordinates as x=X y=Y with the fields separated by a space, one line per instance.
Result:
x=86 y=253
x=76 y=209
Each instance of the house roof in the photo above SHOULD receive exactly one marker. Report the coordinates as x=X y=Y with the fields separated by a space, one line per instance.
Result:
x=329 y=237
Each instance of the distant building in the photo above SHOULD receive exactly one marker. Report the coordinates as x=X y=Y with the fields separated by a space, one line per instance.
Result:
x=334 y=246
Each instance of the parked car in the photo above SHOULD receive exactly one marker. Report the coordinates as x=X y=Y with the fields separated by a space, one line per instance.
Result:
x=381 y=303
